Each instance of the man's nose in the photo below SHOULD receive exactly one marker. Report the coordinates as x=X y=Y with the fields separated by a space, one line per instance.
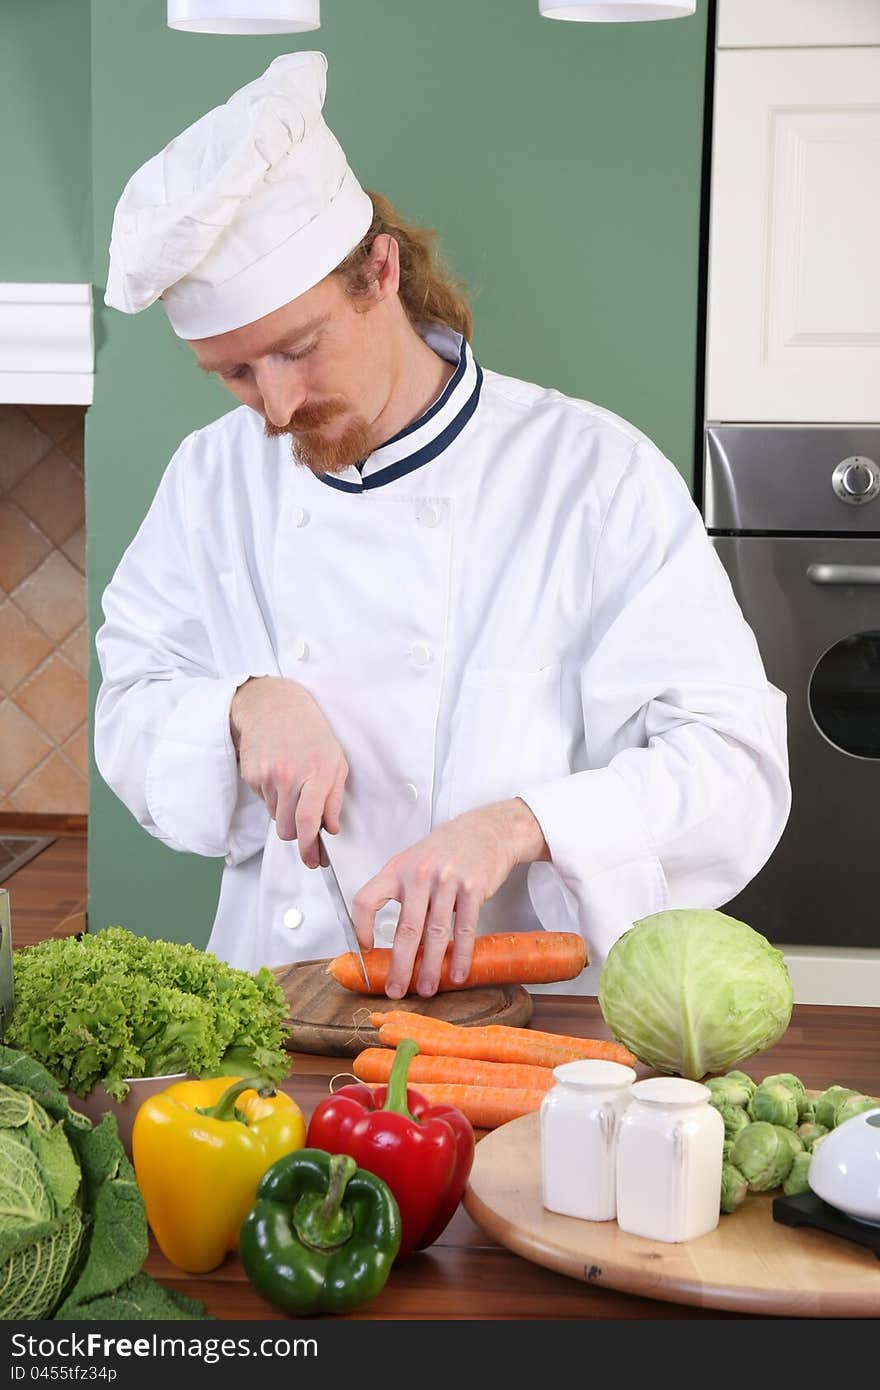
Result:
x=283 y=393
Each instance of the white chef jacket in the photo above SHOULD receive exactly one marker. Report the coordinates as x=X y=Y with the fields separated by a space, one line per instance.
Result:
x=515 y=596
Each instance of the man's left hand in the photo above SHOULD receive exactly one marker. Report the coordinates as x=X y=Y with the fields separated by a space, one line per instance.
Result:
x=441 y=883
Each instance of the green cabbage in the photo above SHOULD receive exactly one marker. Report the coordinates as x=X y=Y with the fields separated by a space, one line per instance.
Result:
x=693 y=991
x=73 y=1229
x=114 y=1005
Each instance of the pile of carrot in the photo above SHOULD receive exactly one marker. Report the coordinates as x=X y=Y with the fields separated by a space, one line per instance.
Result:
x=492 y=1074
x=502 y=958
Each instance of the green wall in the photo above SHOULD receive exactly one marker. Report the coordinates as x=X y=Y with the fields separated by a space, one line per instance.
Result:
x=45 y=158
x=561 y=164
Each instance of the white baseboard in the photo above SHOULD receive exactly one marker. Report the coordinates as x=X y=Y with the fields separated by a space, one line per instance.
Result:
x=834 y=975
x=819 y=975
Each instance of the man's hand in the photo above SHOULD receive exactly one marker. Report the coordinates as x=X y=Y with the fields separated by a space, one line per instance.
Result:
x=289 y=755
x=450 y=873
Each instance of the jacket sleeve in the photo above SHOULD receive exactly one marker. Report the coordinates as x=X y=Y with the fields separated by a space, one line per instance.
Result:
x=685 y=792
x=162 y=736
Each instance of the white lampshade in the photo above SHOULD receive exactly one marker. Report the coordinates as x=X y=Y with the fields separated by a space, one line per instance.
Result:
x=616 y=11
x=244 y=16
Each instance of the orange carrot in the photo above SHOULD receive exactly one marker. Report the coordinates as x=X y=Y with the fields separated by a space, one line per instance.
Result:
x=374 y=1064
x=493 y=1042
x=506 y=958
x=485 y=1106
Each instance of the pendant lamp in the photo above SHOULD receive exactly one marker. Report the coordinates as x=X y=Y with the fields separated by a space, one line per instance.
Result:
x=615 y=11
x=244 y=16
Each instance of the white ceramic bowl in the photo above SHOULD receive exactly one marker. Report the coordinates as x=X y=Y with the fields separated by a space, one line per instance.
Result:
x=97 y=1102
x=845 y=1168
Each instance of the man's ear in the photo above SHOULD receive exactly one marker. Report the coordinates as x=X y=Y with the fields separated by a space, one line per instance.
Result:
x=385 y=257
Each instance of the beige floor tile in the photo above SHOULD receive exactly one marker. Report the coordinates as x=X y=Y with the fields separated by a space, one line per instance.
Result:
x=22 y=747
x=76 y=649
x=52 y=495
x=22 y=646
x=74 y=446
x=55 y=698
x=54 y=788
x=22 y=546
x=75 y=549
x=54 y=596
x=56 y=421
x=77 y=749
x=21 y=445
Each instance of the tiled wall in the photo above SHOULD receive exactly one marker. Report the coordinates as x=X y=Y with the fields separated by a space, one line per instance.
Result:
x=43 y=631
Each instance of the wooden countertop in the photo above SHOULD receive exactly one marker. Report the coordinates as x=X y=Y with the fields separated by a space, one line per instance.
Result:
x=465 y=1275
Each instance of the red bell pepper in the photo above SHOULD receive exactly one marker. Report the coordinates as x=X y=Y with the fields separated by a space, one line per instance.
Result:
x=423 y=1152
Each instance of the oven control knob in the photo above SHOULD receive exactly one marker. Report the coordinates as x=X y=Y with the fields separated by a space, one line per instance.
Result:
x=856 y=480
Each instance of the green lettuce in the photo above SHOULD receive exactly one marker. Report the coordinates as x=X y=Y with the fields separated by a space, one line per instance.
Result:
x=73 y=1229
x=113 y=1005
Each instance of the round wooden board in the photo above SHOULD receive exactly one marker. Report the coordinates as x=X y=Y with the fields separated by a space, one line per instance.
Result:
x=748 y=1264
x=332 y=1021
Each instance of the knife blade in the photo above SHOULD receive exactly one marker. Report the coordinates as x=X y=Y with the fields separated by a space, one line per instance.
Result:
x=7 y=987
x=341 y=905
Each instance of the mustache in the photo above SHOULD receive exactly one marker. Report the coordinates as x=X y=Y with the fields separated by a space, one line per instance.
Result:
x=310 y=417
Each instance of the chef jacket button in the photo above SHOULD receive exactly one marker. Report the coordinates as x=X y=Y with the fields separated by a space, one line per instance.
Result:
x=385 y=928
x=429 y=516
x=411 y=791
x=293 y=918
x=300 y=516
x=301 y=650
x=420 y=654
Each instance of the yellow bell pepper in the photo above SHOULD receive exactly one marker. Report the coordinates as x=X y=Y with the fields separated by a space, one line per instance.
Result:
x=199 y=1150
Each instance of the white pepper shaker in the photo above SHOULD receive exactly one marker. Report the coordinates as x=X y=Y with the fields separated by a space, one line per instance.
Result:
x=579 y=1121
x=669 y=1161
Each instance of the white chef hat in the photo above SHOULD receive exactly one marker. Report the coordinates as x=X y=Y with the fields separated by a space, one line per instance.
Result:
x=246 y=209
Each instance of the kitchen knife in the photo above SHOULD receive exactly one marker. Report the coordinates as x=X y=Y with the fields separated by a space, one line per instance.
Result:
x=340 y=904
x=7 y=988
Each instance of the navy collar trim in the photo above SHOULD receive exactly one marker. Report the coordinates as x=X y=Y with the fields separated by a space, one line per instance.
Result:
x=438 y=404
x=419 y=459
x=458 y=382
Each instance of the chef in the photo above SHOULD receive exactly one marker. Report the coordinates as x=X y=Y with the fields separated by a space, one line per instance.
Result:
x=471 y=626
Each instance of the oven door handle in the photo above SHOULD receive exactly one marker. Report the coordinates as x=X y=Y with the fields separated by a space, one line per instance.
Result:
x=844 y=574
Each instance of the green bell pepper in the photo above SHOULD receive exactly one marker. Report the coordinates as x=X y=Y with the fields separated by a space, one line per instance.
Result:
x=322 y=1234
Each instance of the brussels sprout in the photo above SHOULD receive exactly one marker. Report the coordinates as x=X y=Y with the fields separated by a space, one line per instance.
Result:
x=734 y=1117
x=828 y=1102
x=805 y=1104
x=807 y=1111
x=763 y=1153
x=729 y=1091
x=725 y=1150
x=733 y=1188
x=787 y=1078
x=796 y=1181
x=795 y=1143
x=810 y=1133
x=744 y=1080
x=854 y=1105
x=774 y=1103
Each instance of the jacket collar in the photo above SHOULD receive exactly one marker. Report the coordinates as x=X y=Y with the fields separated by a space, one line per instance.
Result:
x=432 y=432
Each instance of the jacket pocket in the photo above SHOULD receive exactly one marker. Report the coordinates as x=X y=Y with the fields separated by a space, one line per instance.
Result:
x=506 y=734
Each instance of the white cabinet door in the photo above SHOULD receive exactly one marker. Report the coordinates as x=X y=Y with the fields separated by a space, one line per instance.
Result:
x=797 y=23
x=794 y=244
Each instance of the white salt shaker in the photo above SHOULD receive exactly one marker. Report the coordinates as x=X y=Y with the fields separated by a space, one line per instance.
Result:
x=579 y=1120
x=669 y=1161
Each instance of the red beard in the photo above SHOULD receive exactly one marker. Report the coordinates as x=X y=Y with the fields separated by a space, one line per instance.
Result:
x=322 y=454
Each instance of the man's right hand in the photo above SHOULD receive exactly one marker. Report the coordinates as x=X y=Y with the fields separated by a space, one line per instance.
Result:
x=289 y=755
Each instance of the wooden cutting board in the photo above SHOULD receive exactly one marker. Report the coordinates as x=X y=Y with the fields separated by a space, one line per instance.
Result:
x=749 y=1263
x=334 y=1022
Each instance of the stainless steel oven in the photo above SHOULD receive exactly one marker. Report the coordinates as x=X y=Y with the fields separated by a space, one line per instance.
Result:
x=794 y=514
